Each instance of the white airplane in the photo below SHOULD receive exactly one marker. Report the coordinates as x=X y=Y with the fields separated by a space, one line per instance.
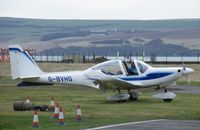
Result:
x=114 y=75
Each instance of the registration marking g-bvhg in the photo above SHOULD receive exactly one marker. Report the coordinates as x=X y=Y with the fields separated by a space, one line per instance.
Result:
x=60 y=78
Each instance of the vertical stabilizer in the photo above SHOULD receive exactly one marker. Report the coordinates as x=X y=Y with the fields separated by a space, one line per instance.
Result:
x=22 y=64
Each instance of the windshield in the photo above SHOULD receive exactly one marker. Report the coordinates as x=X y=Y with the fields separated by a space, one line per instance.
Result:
x=116 y=67
x=142 y=66
x=110 y=68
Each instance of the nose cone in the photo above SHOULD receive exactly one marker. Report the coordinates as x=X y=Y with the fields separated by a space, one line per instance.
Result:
x=188 y=71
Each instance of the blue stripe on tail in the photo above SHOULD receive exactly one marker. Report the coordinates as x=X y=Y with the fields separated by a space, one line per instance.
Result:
x=23 y=52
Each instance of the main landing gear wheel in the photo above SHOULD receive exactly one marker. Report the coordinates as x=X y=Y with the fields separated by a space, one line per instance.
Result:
x=133 y=96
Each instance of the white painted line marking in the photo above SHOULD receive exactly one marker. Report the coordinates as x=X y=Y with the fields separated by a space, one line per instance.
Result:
x=130 y=123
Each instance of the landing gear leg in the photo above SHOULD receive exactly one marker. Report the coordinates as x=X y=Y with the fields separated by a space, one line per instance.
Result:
x=165 y=90
x=119 y=91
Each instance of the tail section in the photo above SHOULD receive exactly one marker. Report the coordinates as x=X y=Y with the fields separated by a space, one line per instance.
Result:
x=22 y=64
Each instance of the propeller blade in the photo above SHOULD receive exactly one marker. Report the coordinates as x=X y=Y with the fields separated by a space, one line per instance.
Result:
x=188 y=79
x=183 y=66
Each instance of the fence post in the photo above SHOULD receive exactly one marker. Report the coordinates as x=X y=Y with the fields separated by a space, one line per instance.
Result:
x=83 y=58
x=47 y=56
x=94 y=59
x=130 y=56
x=40 y=56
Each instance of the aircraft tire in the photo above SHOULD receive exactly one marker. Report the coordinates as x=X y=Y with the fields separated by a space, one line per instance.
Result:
x=167 y=100
x=132 y=97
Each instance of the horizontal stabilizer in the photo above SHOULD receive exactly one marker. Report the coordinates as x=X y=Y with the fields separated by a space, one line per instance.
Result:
x=29 y=77
x=26 y=84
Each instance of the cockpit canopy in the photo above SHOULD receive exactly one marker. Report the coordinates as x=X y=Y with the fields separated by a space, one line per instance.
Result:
x=118 y=67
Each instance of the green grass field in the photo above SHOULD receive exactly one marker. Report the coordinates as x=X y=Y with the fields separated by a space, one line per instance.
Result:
x=96 y=110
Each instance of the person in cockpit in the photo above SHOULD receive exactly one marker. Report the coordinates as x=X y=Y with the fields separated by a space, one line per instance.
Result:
x=133 y=70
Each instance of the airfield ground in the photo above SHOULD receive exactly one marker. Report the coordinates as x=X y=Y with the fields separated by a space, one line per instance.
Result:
x=95 y=109
x=160 y=124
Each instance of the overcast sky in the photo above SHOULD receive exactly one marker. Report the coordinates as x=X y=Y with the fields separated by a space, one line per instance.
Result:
x=100 y=9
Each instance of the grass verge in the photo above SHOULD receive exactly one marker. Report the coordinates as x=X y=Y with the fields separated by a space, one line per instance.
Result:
x=95 y=109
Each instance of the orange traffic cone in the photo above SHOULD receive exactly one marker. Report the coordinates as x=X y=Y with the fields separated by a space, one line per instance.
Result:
x=78 y=113
x=61 y=117
x=52 y=104
x=56 y=111
x=35 y=120
x=27 y=100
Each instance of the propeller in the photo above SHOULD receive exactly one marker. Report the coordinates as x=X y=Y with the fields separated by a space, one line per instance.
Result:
x=183 y=65
x=187 y=77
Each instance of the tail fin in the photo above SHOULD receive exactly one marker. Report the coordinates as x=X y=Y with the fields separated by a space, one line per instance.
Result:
x=22 y=64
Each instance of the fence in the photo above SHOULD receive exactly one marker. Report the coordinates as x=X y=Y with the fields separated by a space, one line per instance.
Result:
x=78 y=58
x=81 y=58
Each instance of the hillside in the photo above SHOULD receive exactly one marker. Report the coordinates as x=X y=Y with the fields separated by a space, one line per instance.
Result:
x=100 y=34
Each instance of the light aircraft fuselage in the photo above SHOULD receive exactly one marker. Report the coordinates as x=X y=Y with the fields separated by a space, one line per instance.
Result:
x=114 y=74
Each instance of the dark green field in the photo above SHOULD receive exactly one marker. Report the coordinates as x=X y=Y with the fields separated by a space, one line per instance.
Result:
x=96 y=110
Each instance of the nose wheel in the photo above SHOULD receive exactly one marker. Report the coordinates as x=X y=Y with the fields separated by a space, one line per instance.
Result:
x=166 y=96
x=167 y=99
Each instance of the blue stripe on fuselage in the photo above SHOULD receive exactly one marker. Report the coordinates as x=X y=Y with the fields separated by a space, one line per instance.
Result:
x=17 y=49
x=147 y=77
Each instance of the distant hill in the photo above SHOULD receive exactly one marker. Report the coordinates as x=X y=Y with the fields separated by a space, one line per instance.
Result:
x=107 y=24
x=155 y=47
x=99 y=34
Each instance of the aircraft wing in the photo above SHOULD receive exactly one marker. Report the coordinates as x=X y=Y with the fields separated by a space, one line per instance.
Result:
x=116 y=83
